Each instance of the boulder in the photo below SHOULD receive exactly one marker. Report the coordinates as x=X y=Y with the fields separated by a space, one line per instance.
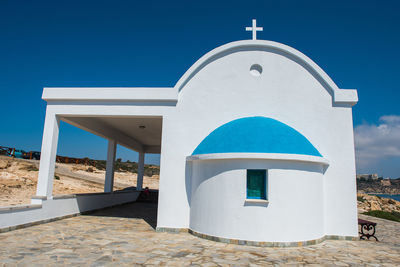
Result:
x=369 y=202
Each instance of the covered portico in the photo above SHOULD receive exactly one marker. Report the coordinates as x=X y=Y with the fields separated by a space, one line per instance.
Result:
x=131 y=117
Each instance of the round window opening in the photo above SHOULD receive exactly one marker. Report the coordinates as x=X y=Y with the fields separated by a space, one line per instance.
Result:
x=255 y=70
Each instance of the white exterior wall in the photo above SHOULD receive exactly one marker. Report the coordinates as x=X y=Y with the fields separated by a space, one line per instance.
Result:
x=218 y=89
x=225 y=90
x=295 y=195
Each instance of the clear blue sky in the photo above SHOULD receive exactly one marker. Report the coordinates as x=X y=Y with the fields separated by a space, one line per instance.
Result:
x=152 y=43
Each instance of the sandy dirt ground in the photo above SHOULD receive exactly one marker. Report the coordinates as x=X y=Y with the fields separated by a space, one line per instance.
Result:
x=18 y=179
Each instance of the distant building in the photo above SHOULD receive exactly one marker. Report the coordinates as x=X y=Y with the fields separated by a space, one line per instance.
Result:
x=368 y=176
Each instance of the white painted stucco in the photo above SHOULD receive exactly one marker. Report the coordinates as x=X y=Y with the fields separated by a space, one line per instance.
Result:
x=207 y=194
x=294 y=211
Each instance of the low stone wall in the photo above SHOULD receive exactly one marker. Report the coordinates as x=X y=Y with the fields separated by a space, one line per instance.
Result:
x=44 y=210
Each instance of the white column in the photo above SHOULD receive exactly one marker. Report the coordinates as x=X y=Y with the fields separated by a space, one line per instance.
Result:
x=139 y=185
x=48 y=155
x=109 y=182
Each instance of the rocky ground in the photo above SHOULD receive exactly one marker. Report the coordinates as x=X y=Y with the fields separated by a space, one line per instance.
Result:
x=18 y=179
x=367 y=202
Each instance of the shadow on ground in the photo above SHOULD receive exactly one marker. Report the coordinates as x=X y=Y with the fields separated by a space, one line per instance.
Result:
x=136 y=210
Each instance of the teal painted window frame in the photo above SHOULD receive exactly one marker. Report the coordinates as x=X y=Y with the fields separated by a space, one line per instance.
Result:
x=264 y=194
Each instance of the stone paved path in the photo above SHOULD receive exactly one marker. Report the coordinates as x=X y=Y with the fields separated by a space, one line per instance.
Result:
x=124 y=236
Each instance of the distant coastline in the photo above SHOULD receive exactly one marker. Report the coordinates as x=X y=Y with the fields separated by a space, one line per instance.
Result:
x=391 y=196
x=378 y=186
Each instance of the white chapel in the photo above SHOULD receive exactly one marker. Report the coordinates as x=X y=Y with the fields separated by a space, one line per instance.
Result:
x=256 y=144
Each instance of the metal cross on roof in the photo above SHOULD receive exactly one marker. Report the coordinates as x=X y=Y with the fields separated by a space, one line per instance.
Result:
x=254 y=29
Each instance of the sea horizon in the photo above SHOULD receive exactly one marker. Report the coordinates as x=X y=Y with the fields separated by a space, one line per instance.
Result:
x=394 y=196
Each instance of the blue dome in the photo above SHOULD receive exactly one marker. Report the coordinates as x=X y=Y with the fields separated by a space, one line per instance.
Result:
x=256 y=135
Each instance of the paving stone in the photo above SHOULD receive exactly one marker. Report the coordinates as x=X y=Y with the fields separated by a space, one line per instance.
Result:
x=125 y=236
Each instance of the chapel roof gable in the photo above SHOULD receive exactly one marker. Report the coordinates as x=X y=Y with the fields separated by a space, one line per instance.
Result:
x=340 y=96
